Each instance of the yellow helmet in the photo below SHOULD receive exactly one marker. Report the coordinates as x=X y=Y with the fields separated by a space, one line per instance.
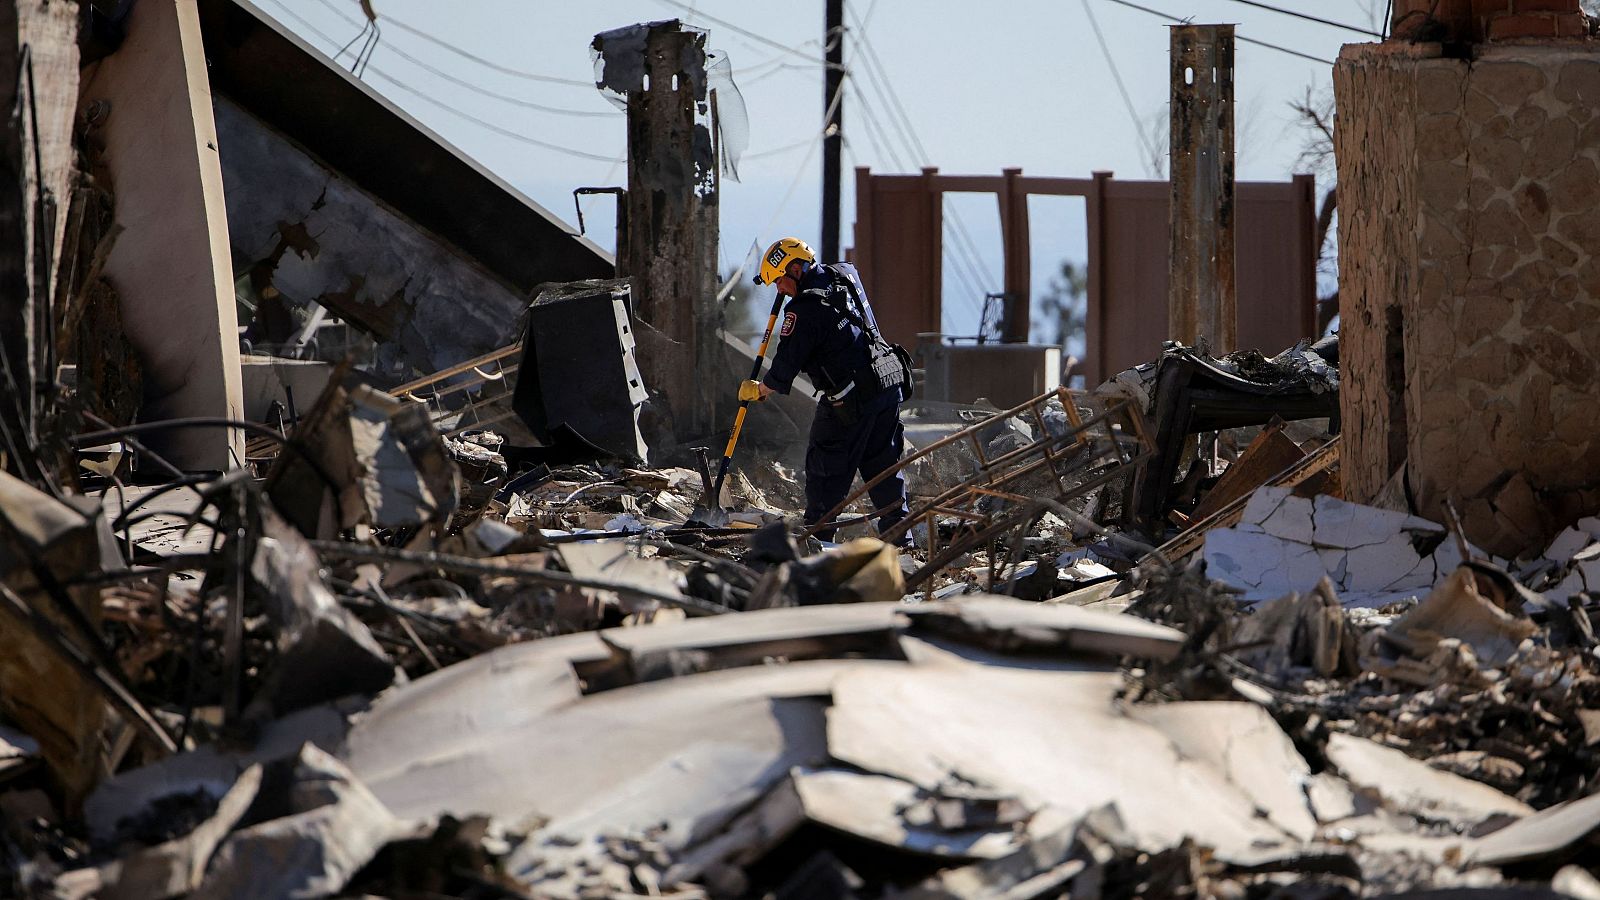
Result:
x=782 y=252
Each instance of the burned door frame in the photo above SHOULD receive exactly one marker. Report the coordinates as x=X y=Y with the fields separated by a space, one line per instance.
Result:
x=899 y=249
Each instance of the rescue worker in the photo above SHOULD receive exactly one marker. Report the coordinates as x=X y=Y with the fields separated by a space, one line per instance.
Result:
x=830 y=334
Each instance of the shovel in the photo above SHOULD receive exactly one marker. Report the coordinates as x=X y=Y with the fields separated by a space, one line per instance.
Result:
x=710 y=514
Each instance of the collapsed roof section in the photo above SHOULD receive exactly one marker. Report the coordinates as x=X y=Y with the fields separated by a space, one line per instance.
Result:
x=413 y=232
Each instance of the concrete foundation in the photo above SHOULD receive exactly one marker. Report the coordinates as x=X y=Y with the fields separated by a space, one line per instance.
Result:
x=1469 y=233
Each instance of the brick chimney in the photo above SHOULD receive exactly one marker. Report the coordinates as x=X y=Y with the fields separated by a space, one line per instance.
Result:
x=1478 y=21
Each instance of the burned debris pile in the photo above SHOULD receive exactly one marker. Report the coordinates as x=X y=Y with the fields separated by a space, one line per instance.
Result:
x=404 y=664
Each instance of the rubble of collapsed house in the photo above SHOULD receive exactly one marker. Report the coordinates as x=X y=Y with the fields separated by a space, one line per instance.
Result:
x=440 y=615
x=396 y=666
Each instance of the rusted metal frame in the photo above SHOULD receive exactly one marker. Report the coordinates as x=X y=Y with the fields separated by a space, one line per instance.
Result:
x=966 y=488
x=940 y=444
x=482 y=377
x=954 y=494
x=1049 y=453
x=1113 y=469
x=1004 y=495
x=953 y=511
x=1075 y=436
x=990 y=478
x=977 y=448
x=938 y=560
x=458 y=368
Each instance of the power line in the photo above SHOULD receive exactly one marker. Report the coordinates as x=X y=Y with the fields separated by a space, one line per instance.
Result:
x=477 y=88
x=1241 y=38
x=737 y=30
x=961 y=266
x=466 y=54
x=1116 y=75
x=506 y=132
x=450 y=108
x=777 y=151
x=1310 y=18
x=963 y=243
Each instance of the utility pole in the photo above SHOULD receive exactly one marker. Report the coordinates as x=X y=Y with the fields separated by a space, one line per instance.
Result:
x=671 y=206
x=1201 y=301
x=833 y=123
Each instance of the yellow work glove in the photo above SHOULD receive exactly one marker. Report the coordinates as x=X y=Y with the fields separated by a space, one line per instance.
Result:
x=750 y=391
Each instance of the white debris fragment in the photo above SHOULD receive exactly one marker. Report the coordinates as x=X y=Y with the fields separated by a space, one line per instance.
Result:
x=1576 y=548
x=1286 y=543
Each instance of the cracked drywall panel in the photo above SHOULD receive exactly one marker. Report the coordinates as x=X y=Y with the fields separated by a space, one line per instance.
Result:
x=1373 y=556
x=1263 y=504
x=1378 y=567
x=1291 y=521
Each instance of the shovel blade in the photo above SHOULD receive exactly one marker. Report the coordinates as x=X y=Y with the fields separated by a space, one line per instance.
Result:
x=704 y=517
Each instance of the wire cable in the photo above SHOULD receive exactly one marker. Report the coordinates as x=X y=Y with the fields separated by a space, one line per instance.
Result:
x=477 y=88
x=1239 y=37
x=961 y=267
x=455 y=111
x=1309 y=18
x=1116 y=76
x=815 y=141
x=901 y=121
x=964 y=242
x=465 y=54
x=963 y=252
x=743 y=31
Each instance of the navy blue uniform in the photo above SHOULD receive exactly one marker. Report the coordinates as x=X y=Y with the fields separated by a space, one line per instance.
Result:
x=851 y=432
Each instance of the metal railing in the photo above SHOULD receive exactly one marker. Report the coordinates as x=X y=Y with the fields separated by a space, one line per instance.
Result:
x=469 y=395
x=1064 y=460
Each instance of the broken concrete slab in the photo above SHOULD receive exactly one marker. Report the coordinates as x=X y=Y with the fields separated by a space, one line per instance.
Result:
x=1413 y=787
x=362 y=457
x=739 y=730
x=1241 y=740
x=1287 y=544
x=333 y=828
x=794 y=633
x=882 y=810
x=175 y=867
x=1545 y=833
x=325 y=652
x=508 y=689
x=1581 y=574
x=1048 y=738
x=1008 y=625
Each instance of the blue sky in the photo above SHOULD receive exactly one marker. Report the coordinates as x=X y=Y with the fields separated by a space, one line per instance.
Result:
x=981 y=86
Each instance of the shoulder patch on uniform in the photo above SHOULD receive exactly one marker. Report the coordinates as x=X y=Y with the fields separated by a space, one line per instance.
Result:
x=788 y=324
